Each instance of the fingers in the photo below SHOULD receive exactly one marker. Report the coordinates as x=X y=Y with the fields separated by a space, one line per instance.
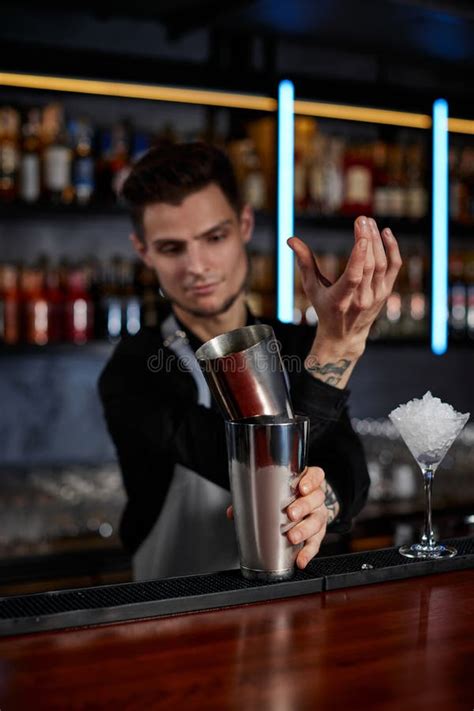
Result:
x=380 y=258
x=311 y=549
x=305 y=505
x=352 y=275
x=229 y=513
x=363 y=230
x=312 y=479
x=309 y=510
x=393 y=256
x=316 y=527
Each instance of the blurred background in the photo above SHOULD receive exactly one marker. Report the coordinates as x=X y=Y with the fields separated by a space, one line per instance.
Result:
x=70 y=286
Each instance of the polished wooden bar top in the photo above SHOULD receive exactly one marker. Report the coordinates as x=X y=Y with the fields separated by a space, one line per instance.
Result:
x=403 y=645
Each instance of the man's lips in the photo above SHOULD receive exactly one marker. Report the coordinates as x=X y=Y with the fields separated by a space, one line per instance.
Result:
x=203 y=289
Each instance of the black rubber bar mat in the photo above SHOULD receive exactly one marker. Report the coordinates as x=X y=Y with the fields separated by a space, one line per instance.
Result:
x=171 y=596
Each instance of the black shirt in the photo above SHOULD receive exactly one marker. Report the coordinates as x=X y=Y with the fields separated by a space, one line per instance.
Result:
x=152 y=412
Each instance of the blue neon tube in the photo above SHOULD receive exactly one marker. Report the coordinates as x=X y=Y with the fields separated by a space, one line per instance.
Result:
x=285 y=201
x=439 y=284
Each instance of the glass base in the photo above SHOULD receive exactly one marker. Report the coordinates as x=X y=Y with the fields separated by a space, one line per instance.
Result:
x=416 y=550
x=268 y=576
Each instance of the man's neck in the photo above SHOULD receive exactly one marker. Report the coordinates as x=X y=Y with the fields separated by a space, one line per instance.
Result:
x=207 y=327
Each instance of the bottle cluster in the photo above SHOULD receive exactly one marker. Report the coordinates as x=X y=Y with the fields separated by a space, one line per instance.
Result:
x=48 y=157
x=45 y=302
x=75 y=302
x=461 y=183
x=337 y=174
x=461 y=295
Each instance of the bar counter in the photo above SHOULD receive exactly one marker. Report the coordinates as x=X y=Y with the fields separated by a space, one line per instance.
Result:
x=407 y=644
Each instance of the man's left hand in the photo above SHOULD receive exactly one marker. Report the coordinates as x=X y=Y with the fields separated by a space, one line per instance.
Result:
x=309 y=514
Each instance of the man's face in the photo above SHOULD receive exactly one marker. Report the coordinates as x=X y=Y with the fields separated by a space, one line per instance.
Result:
x=197 y=249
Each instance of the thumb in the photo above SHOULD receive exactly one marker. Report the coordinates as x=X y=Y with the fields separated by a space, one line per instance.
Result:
x=230 y=513
x=302 y=253
x=307 y=264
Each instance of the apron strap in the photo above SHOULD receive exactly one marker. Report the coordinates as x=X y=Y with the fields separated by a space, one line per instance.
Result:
x=175 y=339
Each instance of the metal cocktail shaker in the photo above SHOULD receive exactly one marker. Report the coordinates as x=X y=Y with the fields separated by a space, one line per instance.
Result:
x=266 y=458
x=245 y=373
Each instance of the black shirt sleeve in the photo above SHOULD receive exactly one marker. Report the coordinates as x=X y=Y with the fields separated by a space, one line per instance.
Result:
x=333 y=445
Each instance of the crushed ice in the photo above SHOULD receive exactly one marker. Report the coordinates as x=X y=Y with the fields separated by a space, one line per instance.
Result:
x=428 y=426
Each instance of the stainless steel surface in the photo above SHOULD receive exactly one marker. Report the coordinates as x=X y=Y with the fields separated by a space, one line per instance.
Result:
x=245 y=373
x=266 y=458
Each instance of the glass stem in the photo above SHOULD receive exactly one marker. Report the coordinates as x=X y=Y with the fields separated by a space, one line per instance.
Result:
x=427 y=539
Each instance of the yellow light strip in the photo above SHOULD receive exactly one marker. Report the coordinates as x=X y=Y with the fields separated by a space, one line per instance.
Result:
x=360 y=113
x=140 y=91
x=226 y=100
x=461 y=126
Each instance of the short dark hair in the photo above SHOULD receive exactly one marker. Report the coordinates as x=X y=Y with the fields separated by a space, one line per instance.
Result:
x=169 y=173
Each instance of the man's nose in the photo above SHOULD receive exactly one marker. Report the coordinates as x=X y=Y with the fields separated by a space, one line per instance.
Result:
x=195 y=261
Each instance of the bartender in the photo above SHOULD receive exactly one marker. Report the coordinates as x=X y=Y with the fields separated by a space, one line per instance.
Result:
x=191 y=227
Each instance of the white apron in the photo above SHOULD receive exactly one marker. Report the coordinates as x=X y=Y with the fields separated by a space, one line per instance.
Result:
x=192 y=533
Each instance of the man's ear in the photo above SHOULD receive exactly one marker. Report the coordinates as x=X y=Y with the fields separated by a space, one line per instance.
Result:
x=247 y=222
x=140 y=248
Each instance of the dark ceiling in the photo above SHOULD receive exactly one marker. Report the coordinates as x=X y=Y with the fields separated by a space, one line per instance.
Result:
x=436 y=29
x=396 y=52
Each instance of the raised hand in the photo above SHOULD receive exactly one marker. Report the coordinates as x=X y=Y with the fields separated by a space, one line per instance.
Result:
x=347 y=309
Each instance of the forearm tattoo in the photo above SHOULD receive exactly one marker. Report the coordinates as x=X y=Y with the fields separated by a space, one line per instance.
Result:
x=331 y=502
x=330 y=373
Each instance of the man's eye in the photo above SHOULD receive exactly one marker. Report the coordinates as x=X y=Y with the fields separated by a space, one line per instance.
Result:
x=169 y=249
x=217 y=237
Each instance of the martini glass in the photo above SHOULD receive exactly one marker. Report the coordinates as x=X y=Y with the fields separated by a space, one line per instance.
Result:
x=428 y=427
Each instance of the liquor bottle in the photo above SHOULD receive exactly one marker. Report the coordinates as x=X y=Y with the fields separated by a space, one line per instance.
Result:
x=394 y=306
x=415 y=322
x=104 y=190
x=30 y=162
x=119 y=158
x=470 y=312
x=394 y=314
x=93 y=272
x=315 y=173
x=111 y=301
x=306 y=132
x=2 y=303
x=457 y=297
x=381 y=191
x=396 y=188
x=262 y=131
x=358 y=181
x=78 y=311
x=55 y=303
x=466 y=215
x=455 y=184
x=416 y=193
x=254 y=190
x=83 y=168
x=10 y=324
x=470 y=183
x=57 y=157
x=333 y=176
x=35 y=306
x=130 y=302
x=9 y=153
x=140 y=146
x=469 y=280
x=300 y=182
